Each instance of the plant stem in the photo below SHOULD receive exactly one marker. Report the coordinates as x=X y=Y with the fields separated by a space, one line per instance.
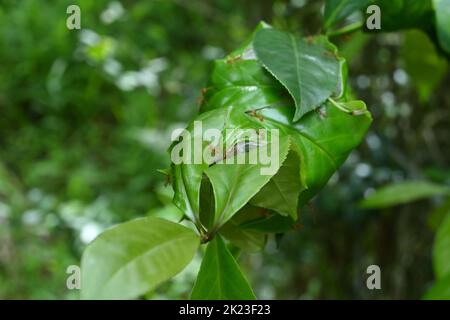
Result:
x=201 y=229
x=208 y=236
x=337 y=105
x=346 y=30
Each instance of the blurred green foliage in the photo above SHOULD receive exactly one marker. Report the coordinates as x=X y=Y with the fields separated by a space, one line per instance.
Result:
x=86 y=116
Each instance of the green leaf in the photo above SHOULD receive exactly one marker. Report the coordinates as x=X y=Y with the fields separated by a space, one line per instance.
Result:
x=308 y=69
x=323 y=139
x=246 y=239
x=440 y=290
x=237 y=98
x=273 y=223
x=243 y=84
x=133 y=258
x=187 y=177
x=400 y=193
x=322 y=150
x=442 y=11
x=441 y=251
x=235 y=184
x=220 y=277
x=206 y=204
x=186 y=184
x=337 y=10
x=169 y=212
x=281 y=192
x=239 y=80
x=426 y=69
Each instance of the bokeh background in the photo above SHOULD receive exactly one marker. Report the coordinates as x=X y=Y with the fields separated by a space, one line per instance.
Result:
x=85 y=118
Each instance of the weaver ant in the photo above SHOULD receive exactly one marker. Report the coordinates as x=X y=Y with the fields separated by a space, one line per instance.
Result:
x=231 y=60
x=254 y=113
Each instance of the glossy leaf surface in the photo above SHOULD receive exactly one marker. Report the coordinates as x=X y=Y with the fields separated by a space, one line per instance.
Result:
x=220 y=277
x=337 y=10
x=133 y=258
x=308 y=68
